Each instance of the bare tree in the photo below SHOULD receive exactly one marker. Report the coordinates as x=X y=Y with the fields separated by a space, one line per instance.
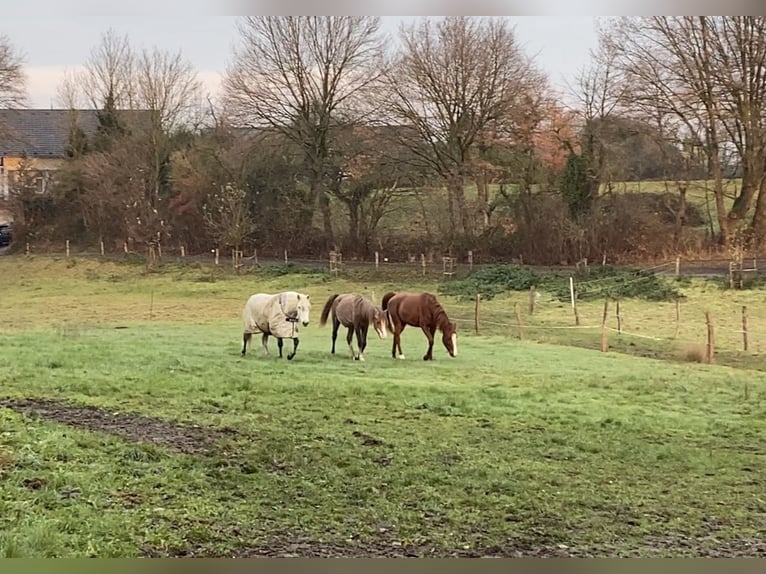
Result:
x=109 y=72
x=709 y=73
x=69 y=92
x=227 y=217
x=12 y=78
x=301 y=75
x=600 y=92
x=453 y=80
x=166 y=87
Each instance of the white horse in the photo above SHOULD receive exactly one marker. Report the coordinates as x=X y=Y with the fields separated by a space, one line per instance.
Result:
x=276 y=315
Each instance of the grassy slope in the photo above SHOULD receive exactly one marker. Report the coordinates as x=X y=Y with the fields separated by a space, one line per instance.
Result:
x=512 y=445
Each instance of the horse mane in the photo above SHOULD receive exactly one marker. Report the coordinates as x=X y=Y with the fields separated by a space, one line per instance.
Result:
x=438 y=312
x=326 y=310
x=386 y=299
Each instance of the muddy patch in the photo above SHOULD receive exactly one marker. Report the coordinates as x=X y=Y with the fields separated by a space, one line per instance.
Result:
x=183 y=438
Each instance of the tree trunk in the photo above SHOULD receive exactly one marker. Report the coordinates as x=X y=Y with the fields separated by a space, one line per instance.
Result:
x=457 y=191
x=758 y=225
x=324 y=203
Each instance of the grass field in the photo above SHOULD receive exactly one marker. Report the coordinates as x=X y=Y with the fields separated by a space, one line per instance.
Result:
x=132 y=427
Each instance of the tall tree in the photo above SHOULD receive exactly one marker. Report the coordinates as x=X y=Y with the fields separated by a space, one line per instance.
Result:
x=12 y=78
x=709 y=73
x=302 y=75
x=453 y=80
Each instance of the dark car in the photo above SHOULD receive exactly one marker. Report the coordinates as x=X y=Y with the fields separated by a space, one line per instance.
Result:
x=5 y=235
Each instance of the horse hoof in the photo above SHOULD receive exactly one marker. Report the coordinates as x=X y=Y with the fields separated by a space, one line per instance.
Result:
x=290 y=357
x=401 y=357
x=361 y=358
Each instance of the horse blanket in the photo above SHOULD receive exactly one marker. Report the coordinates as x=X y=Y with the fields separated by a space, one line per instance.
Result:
x=272 y=314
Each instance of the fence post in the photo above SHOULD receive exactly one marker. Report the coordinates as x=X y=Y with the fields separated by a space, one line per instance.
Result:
x=744 y=327
x=618 y=314
x=518 y=320
x=476 y=314
x=102 y=247
x=604 y=336
x=572 y=296
x=125 y=246
x=678 y=265
x=470 y=260
x=183 y=251
x=377 y=260
x=532 y=299
x=27 y=248
x=285 y=256
x=678 y=317
x=423 y=262
x=67 y=248
x=216 y=255
x=710 y=355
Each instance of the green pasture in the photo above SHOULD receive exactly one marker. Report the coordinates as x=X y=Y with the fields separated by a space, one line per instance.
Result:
x=542 y=446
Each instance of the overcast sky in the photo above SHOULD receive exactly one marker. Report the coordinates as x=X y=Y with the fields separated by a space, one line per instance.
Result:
x=51 y=44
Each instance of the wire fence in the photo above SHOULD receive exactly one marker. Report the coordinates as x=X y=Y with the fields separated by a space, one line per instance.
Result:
x=447 y=264
x=669 y=328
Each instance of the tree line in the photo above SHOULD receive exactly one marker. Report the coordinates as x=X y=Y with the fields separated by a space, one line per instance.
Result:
x=447 y=136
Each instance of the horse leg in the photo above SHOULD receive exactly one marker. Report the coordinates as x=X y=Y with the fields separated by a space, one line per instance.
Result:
x=430 y=336
x=279 y=344
x=349 y=341
x=397 y=341
x=245 y=340
x=335 y=327
x=265 y=343
x=295 y=349
x=361 y=339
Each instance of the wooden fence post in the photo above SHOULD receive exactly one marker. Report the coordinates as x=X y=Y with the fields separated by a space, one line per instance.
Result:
x=27 y=248
x=102 y=247
x=216 y=255
x=678 y=317
x=604 y=336
x=67 y=248
x=572 y=295
x=678 y=265
x=618 y=314
x=377 y=260
x=423 y=262
x=710 y=355
x=518 y=321
x=532 y=299
x=470 y=260
x=285 y=256
x=476 y=314
x=744 y=327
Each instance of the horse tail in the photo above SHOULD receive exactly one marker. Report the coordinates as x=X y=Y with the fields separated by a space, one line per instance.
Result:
x=384 y=306
x=326 y=310
x=386 y=299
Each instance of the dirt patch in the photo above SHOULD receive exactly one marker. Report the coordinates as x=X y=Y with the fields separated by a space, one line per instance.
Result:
x=689 y=548
x=369 y=549
x=184 y=438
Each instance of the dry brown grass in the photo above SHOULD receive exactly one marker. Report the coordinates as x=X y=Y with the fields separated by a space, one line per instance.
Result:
x=692 y=353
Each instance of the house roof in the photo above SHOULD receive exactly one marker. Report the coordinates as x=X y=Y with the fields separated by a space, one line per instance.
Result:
x=41 y=133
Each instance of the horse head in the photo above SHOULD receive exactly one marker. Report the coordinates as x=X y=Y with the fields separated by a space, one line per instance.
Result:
x=380 y=322
x=449 y=338
x=303 y=308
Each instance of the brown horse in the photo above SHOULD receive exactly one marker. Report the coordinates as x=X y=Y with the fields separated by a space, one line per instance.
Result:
x=419 y=310
x=356 y=313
